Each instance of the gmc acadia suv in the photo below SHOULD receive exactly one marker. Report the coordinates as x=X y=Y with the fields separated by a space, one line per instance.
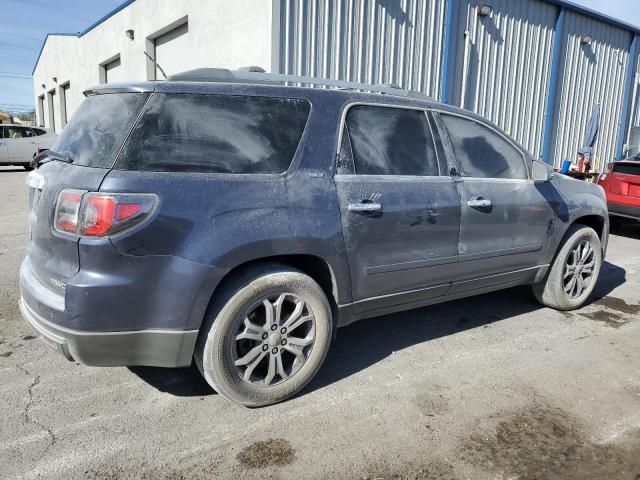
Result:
x=234 y=219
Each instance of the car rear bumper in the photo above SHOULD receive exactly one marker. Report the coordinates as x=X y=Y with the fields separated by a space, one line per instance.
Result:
x=156 y=348
x=77 y=333
x=628 y=211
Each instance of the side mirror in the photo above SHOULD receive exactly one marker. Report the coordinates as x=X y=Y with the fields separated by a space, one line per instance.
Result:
x=540 y=171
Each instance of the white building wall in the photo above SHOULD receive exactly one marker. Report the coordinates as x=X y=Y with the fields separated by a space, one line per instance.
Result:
x=221 y=34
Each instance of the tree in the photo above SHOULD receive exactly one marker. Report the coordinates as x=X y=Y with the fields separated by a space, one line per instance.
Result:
x=27 y=117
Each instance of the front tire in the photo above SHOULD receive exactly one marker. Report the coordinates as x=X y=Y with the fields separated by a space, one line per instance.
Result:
x=574 y=272
x=266 y=336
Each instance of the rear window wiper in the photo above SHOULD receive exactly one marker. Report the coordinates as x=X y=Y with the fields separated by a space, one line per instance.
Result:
x=48 y=156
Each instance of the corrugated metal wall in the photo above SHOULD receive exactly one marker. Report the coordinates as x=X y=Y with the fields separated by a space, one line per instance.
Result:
x=591 y=74
x=369 y=41
x=635 y=97
x=499 y=65
x=508 y=61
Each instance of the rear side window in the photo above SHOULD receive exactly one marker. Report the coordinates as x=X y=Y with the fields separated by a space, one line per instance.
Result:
x=391 y=141
x=627 y=168
x=481 y=152
x=38 y=131
x=98 y=128
x=216 y=134
x=17 y=132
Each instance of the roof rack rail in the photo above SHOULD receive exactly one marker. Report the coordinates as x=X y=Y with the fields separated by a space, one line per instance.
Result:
x=254 y=75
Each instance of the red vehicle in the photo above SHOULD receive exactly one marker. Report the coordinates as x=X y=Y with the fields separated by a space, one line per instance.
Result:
x=621 y=183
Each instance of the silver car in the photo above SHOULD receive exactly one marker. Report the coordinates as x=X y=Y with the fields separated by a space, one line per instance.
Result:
x=19 y=143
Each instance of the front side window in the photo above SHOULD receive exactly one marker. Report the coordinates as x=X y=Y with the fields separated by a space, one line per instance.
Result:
x=391 y=141
x=481 y=152
x=216 y=134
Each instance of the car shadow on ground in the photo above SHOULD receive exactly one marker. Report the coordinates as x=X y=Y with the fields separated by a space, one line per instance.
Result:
x=364 y=343
x=629 y=229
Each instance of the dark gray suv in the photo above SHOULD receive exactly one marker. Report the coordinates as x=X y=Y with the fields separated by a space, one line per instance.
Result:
x=234 y=219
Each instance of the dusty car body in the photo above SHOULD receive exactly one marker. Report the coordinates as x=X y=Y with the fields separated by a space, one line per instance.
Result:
x=250 y=264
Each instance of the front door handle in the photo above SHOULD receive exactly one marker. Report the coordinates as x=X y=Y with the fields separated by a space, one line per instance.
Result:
x=479 y=202
x=365 y=207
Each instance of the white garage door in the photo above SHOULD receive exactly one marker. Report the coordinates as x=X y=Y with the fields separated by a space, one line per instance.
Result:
x=113 y=71
x=172 y=54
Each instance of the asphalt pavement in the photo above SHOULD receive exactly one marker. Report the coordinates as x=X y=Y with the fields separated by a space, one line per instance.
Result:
x=490 y=387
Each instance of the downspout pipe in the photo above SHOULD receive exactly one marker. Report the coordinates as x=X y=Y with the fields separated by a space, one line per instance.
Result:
x=549 y=115
x=627 y=99
x=446 y=55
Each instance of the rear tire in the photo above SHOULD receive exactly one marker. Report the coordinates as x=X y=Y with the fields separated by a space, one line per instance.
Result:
x=27 y=167
x=265 y=337
x=574 y=271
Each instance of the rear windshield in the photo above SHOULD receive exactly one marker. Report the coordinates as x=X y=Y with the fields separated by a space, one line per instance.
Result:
x=627 y=168
x=96 y=131
x=216 y=134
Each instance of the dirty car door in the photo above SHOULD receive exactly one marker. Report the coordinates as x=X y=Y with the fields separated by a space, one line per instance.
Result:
x=400 y=218
x=4 y=152
x=504 y=215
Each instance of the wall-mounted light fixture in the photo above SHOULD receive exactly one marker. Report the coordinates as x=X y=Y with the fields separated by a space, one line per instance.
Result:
x=130 y=34
x=43 y=86
x=586 y=39
x=55 y=79
x=484 y=10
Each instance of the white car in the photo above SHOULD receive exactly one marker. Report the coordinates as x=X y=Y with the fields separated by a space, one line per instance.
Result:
x=19 y=143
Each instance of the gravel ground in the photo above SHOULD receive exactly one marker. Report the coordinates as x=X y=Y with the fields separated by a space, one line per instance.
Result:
x=491 y=387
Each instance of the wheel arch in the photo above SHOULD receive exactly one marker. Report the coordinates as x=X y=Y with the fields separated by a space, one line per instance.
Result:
x=312 y=265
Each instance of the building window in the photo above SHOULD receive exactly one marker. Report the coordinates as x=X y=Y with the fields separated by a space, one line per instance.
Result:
x=168 y=51
x=51 y=110
x=40 y=118
x=111 y=70
x=64 y=92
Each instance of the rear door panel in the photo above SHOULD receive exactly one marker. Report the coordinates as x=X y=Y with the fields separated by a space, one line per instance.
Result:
x=4 y=152
x=412 y=243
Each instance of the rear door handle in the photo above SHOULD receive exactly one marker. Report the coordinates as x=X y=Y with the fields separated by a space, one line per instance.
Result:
x=479 y=203
x=365 y=207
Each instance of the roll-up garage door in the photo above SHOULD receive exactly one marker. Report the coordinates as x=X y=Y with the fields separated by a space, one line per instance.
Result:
x=113 y=71
x=172 y=54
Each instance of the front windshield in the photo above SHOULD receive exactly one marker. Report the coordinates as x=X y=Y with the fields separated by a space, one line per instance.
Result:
x=96 y=131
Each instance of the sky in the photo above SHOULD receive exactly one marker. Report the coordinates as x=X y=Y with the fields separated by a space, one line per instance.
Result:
x=24 y=24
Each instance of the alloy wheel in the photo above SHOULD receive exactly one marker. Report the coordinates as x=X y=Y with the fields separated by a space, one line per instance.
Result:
x=578 y=269
x=273 y=340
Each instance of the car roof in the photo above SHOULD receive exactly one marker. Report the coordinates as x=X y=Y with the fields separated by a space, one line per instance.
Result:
x=257 y=82
x=18 y=125
x=244 y=82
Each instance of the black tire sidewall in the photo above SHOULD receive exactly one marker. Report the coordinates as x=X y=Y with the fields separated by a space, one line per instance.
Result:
x=216 y=360
x=555 y=280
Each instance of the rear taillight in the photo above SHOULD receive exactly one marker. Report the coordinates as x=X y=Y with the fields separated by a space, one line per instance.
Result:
x=67 y=210
x=97 y=214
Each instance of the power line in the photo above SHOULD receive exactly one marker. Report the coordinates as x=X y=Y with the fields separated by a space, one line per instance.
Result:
x=16 y=73
x=16 y=45
x=20 y=35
